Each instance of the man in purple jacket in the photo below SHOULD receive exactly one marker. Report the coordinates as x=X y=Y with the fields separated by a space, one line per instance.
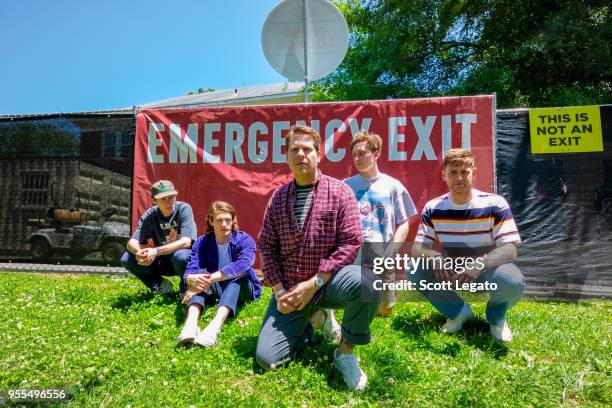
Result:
x=308 y=241
x=220 y=271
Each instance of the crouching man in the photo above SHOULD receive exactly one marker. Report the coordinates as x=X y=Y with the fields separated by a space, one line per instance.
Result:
x=468 y=224
x=171 y=227
x=308 y=241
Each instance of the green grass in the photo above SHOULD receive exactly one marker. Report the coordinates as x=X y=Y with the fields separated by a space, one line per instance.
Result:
x=114 y=342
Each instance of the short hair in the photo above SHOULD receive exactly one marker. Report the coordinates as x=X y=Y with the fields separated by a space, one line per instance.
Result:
x=304 y=130
x=373 y=141
x=458 y=157
x=221 y=206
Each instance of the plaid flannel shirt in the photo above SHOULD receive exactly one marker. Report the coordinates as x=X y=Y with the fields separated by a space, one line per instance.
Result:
x=329 y=240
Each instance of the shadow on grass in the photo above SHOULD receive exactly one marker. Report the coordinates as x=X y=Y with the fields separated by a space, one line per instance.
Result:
x=475 y=332
x=317 y=356
x=126 y=301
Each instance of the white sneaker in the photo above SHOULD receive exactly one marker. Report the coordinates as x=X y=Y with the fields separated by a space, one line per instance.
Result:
x=348 y=366
x=454 y=325
x=502 y=332
x=207 y=337
x=188 y=334
x=331 y=329
x=165 y=287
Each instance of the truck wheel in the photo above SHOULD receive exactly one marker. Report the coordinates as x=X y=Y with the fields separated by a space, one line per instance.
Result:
x=112 y=252
x=40 y=248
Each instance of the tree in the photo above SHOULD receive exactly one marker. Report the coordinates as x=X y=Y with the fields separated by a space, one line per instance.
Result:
x=40 y=138
x=201 y=90
x=532 y=53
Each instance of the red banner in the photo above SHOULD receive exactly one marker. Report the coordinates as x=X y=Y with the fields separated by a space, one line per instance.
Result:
x=237 y=154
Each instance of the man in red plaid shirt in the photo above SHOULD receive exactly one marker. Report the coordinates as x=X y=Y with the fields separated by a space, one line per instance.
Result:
x=309 y=239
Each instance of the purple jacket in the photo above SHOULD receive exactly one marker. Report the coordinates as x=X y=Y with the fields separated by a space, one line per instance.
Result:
x=205 y=259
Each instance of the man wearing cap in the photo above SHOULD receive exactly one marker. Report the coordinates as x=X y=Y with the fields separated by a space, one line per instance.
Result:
x=171 y=228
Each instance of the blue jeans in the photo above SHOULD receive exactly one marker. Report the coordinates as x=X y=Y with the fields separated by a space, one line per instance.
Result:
x=510 y=288
x=164 y=265
x=232 y=295
x=282 y=336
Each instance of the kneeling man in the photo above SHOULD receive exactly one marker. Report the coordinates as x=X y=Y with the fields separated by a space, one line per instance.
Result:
x=308 y=241
x=477 y=230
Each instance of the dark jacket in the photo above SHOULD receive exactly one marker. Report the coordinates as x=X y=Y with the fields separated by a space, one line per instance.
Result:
x=205 y=259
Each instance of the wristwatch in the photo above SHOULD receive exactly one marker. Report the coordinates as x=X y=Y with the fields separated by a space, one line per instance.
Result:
x=319 y=282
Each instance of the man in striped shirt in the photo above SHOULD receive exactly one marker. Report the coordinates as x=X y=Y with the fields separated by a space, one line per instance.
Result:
x=468 y=224
x=308 y=241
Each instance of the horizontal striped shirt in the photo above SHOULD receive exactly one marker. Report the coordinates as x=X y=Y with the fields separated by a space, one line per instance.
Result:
x=473 y=228
x=303 y=200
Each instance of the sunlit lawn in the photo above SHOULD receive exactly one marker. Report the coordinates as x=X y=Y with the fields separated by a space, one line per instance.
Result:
x=115 y=343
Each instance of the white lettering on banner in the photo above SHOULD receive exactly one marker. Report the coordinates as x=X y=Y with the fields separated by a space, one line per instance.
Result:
x=330 y=130
x=185 y=145
x=278 y=141
x=466 y=121
x=209 y=142
x=261 y=128
x=233 y=145
x=315 y=124
x=423 y=132
x=447 y=140
x=354 y=125
x=154 y=142
x=337 y=126
x=185 y=149
x=395 y=138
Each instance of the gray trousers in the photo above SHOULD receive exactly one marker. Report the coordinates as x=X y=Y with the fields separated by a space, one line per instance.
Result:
x=282 y=336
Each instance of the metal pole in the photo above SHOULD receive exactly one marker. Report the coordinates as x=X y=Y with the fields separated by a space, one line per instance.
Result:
x=305 y=53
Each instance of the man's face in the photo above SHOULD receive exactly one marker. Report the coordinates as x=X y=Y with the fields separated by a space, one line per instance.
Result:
x=302 y=157
x=222 y=223
x=166 y=204
x=363 y=158
x=458 y=178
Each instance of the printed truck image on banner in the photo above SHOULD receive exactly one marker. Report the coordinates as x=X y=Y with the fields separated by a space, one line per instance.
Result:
x=237 y=154
x=572 y=129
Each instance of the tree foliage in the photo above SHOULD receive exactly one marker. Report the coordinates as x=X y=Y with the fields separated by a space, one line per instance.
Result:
x=39 y=139
x=531 y=52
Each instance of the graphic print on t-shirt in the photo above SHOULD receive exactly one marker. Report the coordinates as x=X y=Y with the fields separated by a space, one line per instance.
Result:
x=373 y=213
x=169 y=231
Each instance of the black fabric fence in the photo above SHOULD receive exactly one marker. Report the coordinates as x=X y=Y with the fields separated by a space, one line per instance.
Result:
x=66 y=187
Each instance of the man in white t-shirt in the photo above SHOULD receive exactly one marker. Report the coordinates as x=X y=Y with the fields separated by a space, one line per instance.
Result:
x=385 y=207
x=470 y=226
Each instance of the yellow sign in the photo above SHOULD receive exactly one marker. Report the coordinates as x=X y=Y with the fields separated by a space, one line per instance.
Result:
x=572 y=129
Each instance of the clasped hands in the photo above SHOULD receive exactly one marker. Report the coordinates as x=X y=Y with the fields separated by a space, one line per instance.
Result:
x=449 y=275
x=297 y=297
x=196 y=283
x=146 y=256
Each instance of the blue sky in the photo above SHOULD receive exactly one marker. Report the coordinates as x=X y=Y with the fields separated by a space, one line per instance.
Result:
x=76 y=55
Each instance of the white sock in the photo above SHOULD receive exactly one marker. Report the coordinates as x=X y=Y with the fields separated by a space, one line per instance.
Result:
x=208 y=336
x=193 y=315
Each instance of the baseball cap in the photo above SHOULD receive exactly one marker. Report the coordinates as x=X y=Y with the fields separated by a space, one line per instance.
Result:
x=162 y=188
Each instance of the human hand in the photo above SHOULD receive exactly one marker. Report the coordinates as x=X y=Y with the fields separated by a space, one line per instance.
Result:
x=469 y=275
x=198 y=282
x=188 y=295
x=282 y=305
x=441 y=273
x=146 y=256
x=301 y=294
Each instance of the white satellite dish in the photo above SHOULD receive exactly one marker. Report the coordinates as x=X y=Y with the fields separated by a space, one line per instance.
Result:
x=305 y=39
